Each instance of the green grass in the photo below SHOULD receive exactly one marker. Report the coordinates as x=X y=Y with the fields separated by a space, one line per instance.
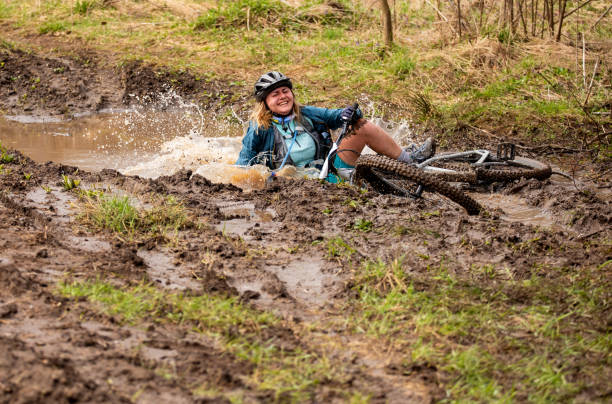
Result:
x=52 y=26
x=489 y=347
x=118 y=215
x=84 y=6
x=338 y=248
x=4 y=156
x=5 y=10
x=363 y=225
x=70 y=183
x=290 y=374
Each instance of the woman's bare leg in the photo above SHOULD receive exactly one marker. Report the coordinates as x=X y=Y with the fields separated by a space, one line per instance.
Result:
x=366 y=133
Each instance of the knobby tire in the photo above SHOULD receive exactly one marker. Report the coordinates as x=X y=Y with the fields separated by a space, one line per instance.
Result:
x=519 y=167
x=374 y=168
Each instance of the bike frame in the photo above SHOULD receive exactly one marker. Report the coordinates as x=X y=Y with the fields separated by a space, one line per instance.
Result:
x=483 y=159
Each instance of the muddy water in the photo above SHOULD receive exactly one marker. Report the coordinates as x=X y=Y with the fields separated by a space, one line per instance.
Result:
x=153 y=143
x=245 y=219
x=116 y=140
x=516 y=209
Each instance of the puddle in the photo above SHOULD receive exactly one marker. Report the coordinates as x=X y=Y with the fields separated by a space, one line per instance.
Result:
x=28 y=329
x=56 y=201
x=88 y=244
x=51 y=275
x=305 y=280
x=115 y=140
x=161 y=269
x=517 y=210
x=251 y=222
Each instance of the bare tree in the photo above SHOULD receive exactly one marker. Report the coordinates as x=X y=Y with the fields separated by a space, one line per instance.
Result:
x=562 y=4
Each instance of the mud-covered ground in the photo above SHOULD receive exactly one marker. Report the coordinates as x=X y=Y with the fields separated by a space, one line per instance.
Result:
x=296 y=250
x=80 y=81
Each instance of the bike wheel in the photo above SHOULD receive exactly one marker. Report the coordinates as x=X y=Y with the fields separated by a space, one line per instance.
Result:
x=461 y=170
x=389 y=176
x=519 y=167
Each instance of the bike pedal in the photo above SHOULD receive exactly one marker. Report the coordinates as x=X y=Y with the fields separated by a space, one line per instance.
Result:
x=506 y=151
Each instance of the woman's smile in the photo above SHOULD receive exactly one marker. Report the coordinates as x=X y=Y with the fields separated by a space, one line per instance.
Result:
x=280 y=101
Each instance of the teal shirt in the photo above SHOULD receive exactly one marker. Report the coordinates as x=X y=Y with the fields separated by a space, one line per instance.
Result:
x=304 y=148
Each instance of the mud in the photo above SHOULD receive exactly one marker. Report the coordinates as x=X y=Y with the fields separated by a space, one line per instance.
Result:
x=81 y=83
x=274 y=260
x=269 y=248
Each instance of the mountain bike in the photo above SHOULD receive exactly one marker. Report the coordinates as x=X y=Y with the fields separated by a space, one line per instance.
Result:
x=388 y=176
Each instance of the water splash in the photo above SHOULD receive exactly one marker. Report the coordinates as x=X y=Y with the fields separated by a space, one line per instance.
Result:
x=211 y=156
x=404 y=131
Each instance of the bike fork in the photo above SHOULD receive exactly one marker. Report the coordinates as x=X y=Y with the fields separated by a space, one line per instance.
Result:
x=418 y=192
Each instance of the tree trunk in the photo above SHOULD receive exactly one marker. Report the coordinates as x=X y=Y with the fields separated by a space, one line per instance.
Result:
x=551 y=16
x=387 y=23
x=521 y=16
x=459 y=18
x=562 y=4
x=534 y=13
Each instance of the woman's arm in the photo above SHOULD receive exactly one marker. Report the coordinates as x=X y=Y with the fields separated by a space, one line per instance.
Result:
x=251 y=146
x=331 y=117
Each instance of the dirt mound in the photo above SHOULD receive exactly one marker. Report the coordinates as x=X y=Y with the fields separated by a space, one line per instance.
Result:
x=48 y=85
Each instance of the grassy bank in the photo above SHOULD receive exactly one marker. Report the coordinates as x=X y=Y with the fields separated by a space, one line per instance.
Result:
x=494 y=333
x=490 y=80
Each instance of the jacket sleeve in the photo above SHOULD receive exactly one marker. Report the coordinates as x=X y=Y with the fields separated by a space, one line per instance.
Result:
x=330 y=117
x=251 y=146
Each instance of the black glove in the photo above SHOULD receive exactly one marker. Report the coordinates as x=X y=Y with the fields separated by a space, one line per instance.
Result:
x=349 y=114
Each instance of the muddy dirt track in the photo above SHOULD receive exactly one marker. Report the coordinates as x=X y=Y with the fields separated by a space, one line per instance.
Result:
x=271 y=250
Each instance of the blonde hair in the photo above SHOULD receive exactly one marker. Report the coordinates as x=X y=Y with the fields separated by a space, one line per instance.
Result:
x=262 y=116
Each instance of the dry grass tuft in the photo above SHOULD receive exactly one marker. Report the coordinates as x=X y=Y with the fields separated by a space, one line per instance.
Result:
x=487 y=53
x=187 y=10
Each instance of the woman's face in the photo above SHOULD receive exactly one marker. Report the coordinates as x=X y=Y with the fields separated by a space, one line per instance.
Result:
x=280 y=101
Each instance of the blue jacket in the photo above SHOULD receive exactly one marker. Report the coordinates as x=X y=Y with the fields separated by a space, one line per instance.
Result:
x=258 y=140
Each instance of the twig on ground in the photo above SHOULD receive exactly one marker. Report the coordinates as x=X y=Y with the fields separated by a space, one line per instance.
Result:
x=562 y=174
x=599 y=138
x=583 y=61
x=583 y=236
x=441 y=15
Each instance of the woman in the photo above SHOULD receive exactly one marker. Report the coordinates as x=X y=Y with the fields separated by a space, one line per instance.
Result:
x=283 y=132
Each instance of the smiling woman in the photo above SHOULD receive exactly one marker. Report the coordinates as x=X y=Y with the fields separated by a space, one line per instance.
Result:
x=283 y=132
